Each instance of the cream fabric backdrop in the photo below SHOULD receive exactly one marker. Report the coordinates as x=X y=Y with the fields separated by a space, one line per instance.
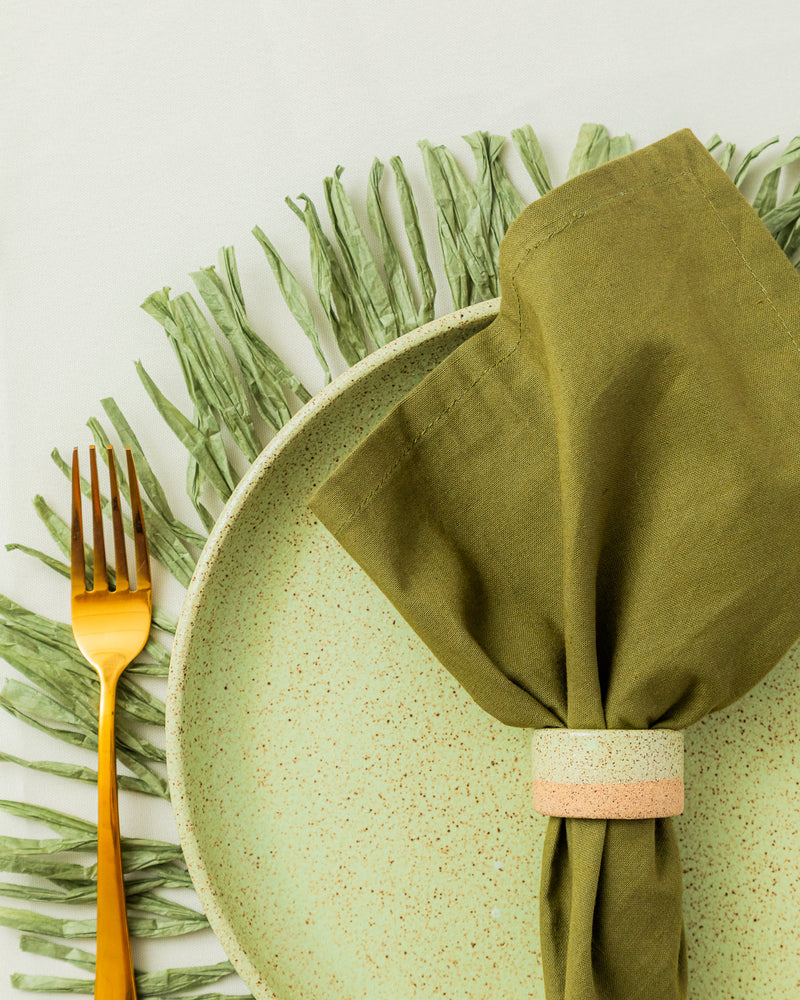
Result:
x=140 y=138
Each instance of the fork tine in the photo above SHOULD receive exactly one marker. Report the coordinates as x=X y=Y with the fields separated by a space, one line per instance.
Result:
x=77 y=561
x=100 y=571
x=139 y=537
x=120 y=556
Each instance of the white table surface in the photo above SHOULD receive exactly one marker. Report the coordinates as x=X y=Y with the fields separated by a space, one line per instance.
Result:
x=140 y=138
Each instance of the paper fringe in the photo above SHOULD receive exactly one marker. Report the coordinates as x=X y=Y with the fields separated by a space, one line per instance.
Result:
x=366 y=301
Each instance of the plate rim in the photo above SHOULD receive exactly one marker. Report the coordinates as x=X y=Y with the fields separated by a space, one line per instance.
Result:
x=178 y=668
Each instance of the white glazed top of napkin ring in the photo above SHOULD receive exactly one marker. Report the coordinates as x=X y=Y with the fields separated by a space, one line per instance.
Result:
x=608 y=773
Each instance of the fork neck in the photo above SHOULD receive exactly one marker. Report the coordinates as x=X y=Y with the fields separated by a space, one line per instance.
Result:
x=109 y=666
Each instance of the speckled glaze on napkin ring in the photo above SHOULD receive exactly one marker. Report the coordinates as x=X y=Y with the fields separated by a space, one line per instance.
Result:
x=608 y=773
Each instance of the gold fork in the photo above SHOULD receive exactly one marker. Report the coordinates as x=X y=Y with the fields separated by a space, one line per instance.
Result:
x=110 y=628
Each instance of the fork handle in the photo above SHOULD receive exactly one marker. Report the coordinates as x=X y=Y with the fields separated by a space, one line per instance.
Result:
x=114 y=968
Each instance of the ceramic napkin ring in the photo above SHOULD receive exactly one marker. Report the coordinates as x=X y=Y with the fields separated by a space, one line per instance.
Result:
x=608 y=773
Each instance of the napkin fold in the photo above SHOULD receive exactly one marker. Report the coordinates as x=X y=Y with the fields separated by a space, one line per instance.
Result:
x=590 y=511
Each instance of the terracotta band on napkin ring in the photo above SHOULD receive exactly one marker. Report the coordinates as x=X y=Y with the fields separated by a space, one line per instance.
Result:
x=608 y=773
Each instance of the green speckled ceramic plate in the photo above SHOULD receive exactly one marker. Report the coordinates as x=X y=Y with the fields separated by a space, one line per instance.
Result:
x=356 y=828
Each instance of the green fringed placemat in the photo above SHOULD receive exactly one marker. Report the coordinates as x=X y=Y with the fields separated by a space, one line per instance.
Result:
x=367 y=301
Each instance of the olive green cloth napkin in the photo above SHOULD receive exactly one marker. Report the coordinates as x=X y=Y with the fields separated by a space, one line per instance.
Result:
x=590 y=511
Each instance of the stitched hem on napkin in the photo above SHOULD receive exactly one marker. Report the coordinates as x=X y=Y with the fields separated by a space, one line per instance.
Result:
x=680 y=158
